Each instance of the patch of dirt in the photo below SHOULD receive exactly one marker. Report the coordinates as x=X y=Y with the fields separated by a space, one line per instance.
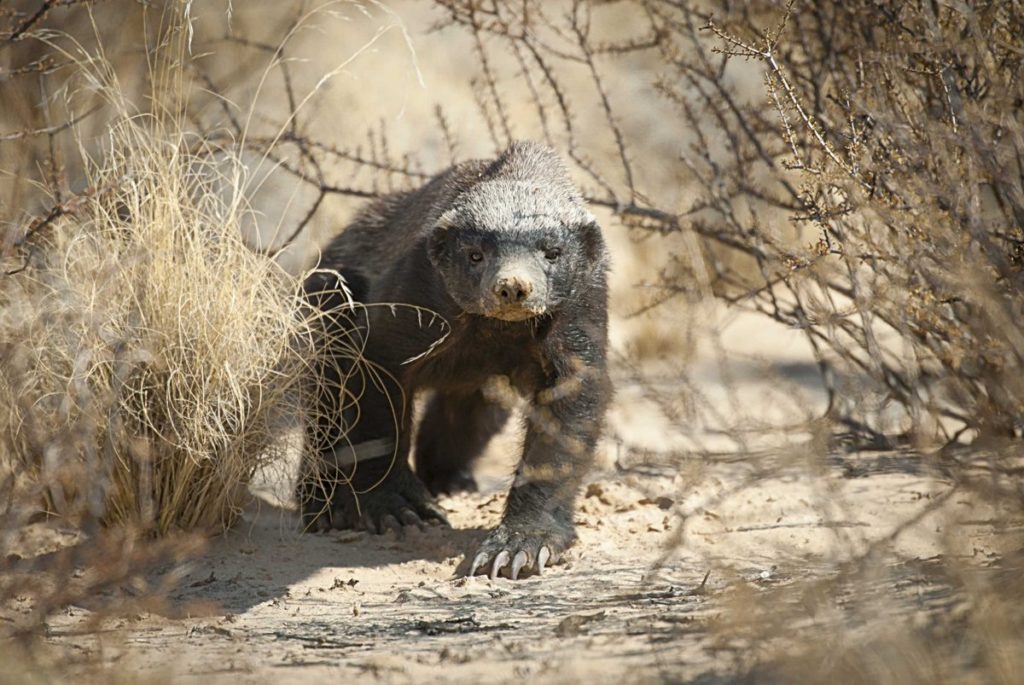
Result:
x=635 y=601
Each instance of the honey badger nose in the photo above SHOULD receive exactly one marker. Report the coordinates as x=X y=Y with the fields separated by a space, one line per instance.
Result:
x=512 y=289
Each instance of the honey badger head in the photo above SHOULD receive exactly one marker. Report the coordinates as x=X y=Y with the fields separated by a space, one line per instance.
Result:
x=518 y=242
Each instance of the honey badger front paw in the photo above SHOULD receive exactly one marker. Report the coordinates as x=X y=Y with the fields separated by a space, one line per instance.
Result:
x=381 y=511
x=401 y=500
x=521 y=546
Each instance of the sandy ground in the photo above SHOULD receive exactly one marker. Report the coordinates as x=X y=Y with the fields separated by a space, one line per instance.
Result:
x=635 y=603
x=665 y=542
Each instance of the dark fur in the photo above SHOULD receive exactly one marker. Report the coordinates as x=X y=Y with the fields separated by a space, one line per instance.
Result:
x=519 y=213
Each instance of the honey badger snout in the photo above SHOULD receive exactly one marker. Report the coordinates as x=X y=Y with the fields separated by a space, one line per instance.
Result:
x=516 y=290
x=513 y=289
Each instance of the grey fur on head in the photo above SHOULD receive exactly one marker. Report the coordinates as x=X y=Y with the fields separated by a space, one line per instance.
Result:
x=516 y=239
x=528 y=186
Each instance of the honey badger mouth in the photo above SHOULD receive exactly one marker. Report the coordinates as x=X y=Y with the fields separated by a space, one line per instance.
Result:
x=513 y=312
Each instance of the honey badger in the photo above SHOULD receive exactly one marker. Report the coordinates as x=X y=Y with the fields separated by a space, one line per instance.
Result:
x=506 y=252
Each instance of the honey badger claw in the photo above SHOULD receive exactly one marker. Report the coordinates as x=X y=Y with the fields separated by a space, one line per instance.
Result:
x=492 y=269
x=478 y=563
x=389 y=522
x=529 y=548
x=409 y=518
x=521 y=561
x=499 y=563
x=518 y=563
x=542 y=558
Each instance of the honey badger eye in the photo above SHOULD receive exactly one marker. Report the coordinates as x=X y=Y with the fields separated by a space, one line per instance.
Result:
x=476 y=256
x=553 y=253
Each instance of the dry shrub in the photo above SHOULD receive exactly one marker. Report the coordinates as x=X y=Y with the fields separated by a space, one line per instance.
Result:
x=936 y=620
x=889 y=135
x=852 y=171
x=150 y=362
x=151 y=359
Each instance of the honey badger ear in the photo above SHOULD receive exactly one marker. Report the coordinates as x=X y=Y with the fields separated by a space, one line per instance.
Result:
x=437 y=244
x=592 y=240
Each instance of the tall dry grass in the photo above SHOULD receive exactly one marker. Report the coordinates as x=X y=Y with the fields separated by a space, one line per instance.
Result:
x=150 y=360
x=144 y=343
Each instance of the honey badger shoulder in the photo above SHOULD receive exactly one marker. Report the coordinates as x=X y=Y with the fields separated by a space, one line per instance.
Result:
x=507 y=253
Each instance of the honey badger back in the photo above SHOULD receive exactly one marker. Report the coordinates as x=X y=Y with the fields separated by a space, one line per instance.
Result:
x=506 y=252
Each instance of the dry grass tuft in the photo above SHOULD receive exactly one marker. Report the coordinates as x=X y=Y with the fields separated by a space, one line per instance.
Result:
x=149 y=360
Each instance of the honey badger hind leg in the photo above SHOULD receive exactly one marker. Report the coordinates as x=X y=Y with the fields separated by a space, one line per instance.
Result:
x=453 y=433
